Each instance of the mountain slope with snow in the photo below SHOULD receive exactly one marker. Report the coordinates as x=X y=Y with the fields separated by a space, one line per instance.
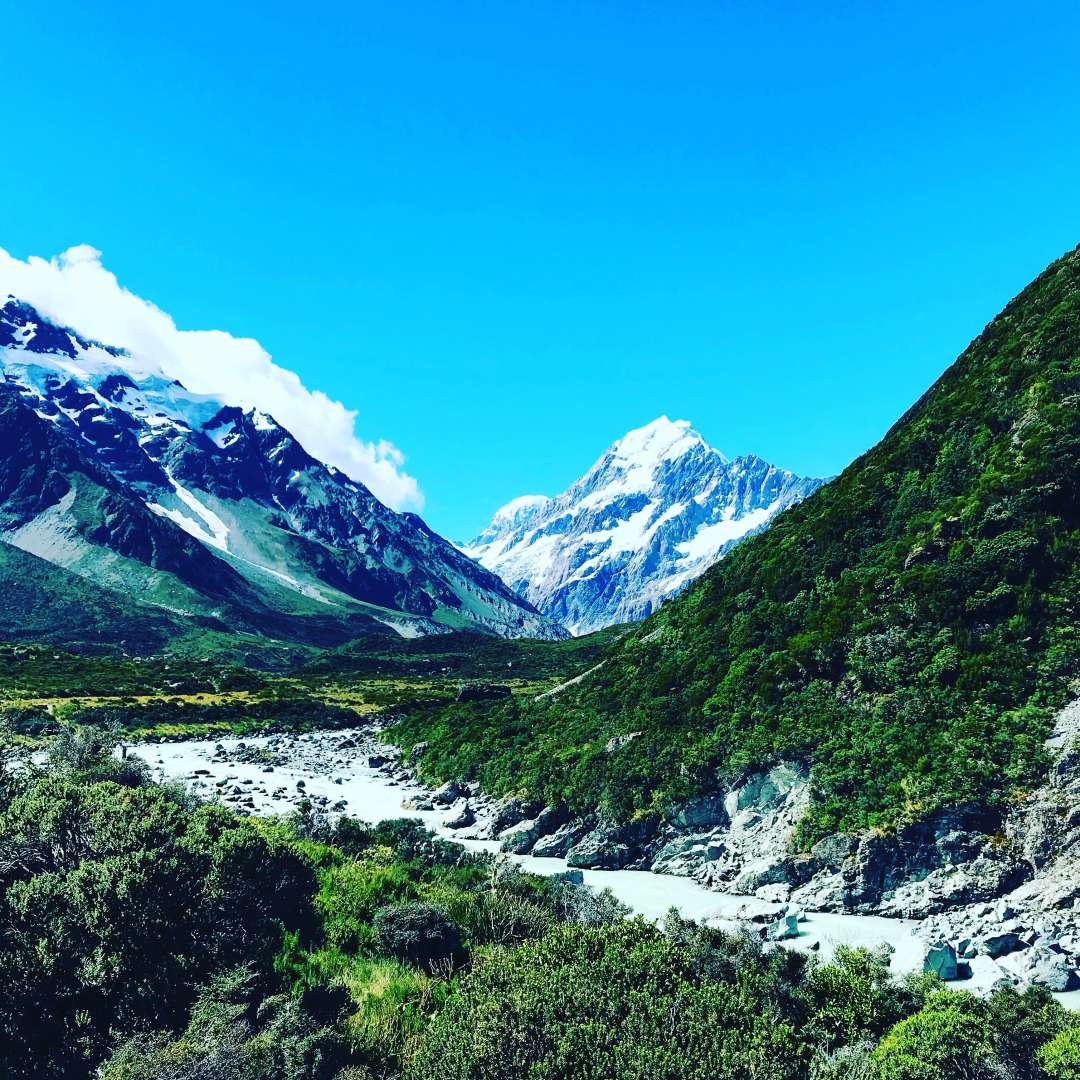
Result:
x=113 y=471
x=657 y=509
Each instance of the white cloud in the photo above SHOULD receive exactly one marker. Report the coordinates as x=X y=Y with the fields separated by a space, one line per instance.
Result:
x=75 y=290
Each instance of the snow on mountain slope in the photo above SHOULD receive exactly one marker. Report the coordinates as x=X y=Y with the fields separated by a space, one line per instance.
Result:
x=113 y=470
x=656 y=510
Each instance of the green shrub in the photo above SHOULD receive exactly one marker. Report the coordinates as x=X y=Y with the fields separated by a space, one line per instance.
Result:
x=1060 y=1057
x=417 y=933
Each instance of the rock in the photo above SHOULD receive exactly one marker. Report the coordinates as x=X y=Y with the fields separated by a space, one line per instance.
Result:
x=763 y=790
x=940 y=960
x=462 y=820
x=999 y=944
x=704 y=812
x=1043 y=967
x=774 y=894
x=482 y=692
x=417 y=802
x=512 y=811
x=599 y=849
x=617 y=742
x=520 y=839
x=448 y=793
x=416 y=753
x=571 y=877
x=377 y=761
x=834 y=851
x=557 y=845
x=784 y=928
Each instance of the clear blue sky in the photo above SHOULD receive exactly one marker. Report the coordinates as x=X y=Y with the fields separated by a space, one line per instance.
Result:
x=507 y=232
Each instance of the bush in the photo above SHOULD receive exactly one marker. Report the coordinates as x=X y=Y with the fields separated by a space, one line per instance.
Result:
x=417 y=933
x=949 y=1037
x=1060 y=1057
x=237 y=1033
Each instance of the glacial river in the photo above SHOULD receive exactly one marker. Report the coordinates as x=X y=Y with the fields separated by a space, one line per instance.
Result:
x=372 y=796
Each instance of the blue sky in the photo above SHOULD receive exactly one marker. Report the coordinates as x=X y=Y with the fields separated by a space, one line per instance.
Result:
x=507 y=232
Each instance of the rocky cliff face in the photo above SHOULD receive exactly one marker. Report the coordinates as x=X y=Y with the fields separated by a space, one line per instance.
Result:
x=657 y=509
x=122 y=476
x=996 y=894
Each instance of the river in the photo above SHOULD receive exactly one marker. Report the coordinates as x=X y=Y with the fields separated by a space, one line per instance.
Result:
x=372 y=796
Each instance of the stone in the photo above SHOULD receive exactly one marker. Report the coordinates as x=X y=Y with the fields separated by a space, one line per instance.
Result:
x=784 y=928
x=1043 y=967
x=520 y=839
x=617 y=742
x=774 y=894
x=558 y=844
x=571 y=877
x=448 y=793
x=999 y=944
x=512 y=811
x=940 y=960
x=417 y=802
x=704 y=812
x=833 y=851
x=600 y=850
x=461 y=820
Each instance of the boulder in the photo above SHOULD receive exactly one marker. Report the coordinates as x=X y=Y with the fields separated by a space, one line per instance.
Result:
x=450 y=792
x=601 y=849
x=833 y=851
x=783 y=928
x=512 y=811
x=417 y=802
x=1044 y=967
x=570 y=877
x=558 y=844
x=940 y=960
x=520 y=839
x=462 y=820
x=1001 y=943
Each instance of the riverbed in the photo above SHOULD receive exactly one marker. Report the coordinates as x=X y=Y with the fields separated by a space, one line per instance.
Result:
x=309 y=769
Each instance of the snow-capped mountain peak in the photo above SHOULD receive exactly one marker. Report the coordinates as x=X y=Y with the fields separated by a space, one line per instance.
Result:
x=113 y=470
x=658 y=507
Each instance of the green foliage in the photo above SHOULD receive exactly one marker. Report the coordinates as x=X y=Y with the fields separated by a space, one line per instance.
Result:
x=238 y=1032
x=1060 y=1057
x=907 y=631
x=950 y=1036
x=621 y=1002
x=417 y=933
x=116 y=903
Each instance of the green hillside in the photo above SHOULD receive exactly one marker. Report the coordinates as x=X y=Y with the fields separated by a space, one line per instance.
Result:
x=907 y=631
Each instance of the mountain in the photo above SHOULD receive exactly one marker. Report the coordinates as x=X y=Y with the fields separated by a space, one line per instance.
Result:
x=657 y=509
x=897 y=645
x=211 y=514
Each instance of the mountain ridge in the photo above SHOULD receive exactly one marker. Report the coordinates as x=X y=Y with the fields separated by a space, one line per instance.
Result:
x=121 y=475
x=652 y=513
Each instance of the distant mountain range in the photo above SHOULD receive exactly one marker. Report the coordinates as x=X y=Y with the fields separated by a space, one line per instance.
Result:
x=188 y=512
x=657 y=509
